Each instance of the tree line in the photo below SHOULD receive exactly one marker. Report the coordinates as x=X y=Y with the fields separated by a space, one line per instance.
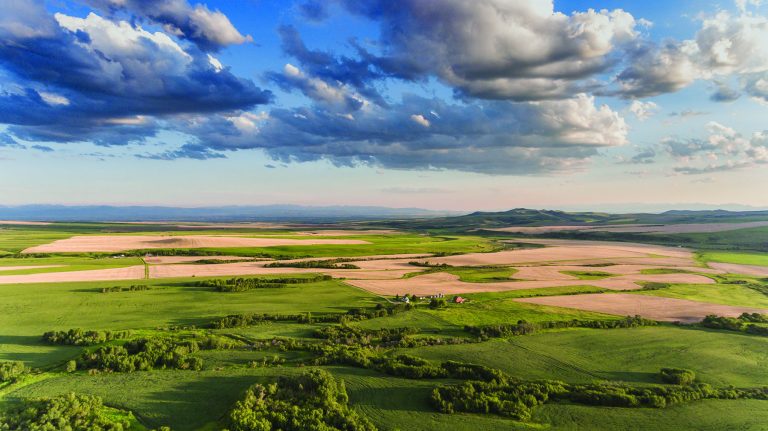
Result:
x=515 y=398
x=749 y=323
x=241 y=284
x=144 y=354
x=79 y=337
x=523 y=327
x=131 y=288
x=325 y=264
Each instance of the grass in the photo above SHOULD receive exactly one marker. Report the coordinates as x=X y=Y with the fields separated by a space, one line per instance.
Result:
x=726 y=294
x=482 y=275
x=588 y=275
x=650 y=271
x=631 y=355
x=758 y=259
x=29 y=310
x=66 y=263
x=500 y=307
x=198 y=400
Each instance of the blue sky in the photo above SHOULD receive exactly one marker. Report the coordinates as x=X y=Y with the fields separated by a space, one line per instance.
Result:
x=445 y=104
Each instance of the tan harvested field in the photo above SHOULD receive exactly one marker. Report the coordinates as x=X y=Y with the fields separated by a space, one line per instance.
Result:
x=735 y=268
x=116 y=243
x=569 y=251
x=17 y=268
x=441 y=282
x=637 y=228
x=258 y=268
x=651 y=307
x=538 y=268
x=126 y=273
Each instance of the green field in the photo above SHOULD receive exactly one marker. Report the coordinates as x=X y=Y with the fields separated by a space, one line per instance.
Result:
x=760 y=259
x=199 y=398
x=728 y=294
x=588 y=275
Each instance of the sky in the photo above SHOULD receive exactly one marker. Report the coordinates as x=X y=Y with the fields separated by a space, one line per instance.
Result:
x=441 y=104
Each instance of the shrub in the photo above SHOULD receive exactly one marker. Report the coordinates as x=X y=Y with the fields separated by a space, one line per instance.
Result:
x=677 y=376
x=435 y=303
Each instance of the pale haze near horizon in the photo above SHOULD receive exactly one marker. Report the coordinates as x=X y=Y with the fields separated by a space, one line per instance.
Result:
x=618 y=136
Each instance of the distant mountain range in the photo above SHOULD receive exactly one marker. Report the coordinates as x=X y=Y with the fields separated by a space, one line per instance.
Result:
x=267 y=213
x=534 y=217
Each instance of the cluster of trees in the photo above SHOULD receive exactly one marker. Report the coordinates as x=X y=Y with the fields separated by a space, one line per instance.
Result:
x=326 y=264
x=516 y=399
x=677 y=376
x=310 y=401
x=273 y=361
x=79 y=337
x=747 y=322
x=132 y=288
x=151 y=353
x=352 y=335
x=523 y=327
x=12 y=371
x=67 y=412
x=240 y=284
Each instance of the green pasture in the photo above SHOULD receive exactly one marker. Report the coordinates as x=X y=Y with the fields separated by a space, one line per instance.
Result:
x=759 y=259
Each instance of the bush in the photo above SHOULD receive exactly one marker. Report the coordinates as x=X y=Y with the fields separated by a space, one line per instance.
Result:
x=676 y=376
x=435 y=303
